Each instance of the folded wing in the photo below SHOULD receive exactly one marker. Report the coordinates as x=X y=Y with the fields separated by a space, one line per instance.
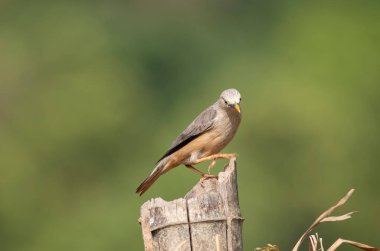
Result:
x=200 y=125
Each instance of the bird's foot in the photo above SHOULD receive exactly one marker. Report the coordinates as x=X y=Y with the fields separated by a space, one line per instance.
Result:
x=208 y=176
x=226 y=155
x=216 y=156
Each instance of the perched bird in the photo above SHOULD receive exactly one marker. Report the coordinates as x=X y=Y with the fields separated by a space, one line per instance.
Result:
x=202 y=140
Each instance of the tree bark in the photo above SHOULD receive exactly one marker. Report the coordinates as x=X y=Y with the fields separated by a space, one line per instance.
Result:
x=207 y=218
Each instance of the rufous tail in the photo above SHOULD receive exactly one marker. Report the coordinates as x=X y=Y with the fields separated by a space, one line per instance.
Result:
x=157 y=172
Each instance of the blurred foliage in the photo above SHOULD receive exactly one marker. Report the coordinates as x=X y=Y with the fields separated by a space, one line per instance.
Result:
x=92 y=93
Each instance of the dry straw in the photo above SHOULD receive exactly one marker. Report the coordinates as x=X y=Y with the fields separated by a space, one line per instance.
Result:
x=315 y=242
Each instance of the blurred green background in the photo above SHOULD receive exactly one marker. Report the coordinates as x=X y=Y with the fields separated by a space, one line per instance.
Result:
x=92 y=93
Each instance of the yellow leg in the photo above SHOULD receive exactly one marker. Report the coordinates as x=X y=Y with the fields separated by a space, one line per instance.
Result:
x=204 y=175
x=195 y=170
x=215 y=157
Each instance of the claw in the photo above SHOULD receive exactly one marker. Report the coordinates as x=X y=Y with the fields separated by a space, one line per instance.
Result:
x=208 y=176
x=230 y=155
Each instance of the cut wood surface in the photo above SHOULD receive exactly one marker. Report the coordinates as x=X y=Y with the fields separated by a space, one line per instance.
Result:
x=207 y=218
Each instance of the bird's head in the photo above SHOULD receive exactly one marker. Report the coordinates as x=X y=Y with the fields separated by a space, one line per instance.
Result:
x=230 y=99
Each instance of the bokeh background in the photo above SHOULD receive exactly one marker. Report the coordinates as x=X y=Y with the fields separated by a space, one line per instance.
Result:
x=93 y=92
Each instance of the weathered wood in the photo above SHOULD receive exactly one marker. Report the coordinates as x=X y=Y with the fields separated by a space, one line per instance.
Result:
x=207 y=218
x=165 y=224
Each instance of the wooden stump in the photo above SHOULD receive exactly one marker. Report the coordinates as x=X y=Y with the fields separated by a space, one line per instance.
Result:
x=207 y=218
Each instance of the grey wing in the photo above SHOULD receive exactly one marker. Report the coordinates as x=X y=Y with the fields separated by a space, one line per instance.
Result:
x=200 y=125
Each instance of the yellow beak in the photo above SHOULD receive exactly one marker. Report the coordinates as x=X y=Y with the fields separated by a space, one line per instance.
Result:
x=237 y=107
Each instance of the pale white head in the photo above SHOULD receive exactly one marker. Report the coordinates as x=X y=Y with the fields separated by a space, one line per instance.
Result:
x=230 y=99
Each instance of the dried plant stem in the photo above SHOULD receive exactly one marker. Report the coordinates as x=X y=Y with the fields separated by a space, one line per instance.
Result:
x=325 y=216
x=362 y=246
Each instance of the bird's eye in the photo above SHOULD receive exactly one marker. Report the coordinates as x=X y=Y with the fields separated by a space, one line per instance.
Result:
x=240 y=100
x=225 y=101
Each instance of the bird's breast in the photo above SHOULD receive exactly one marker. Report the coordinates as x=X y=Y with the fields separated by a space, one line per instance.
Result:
x=221 y=134
x=212 y=141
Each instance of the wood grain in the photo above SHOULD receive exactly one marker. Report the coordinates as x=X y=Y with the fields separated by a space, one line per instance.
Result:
x=207 y=218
